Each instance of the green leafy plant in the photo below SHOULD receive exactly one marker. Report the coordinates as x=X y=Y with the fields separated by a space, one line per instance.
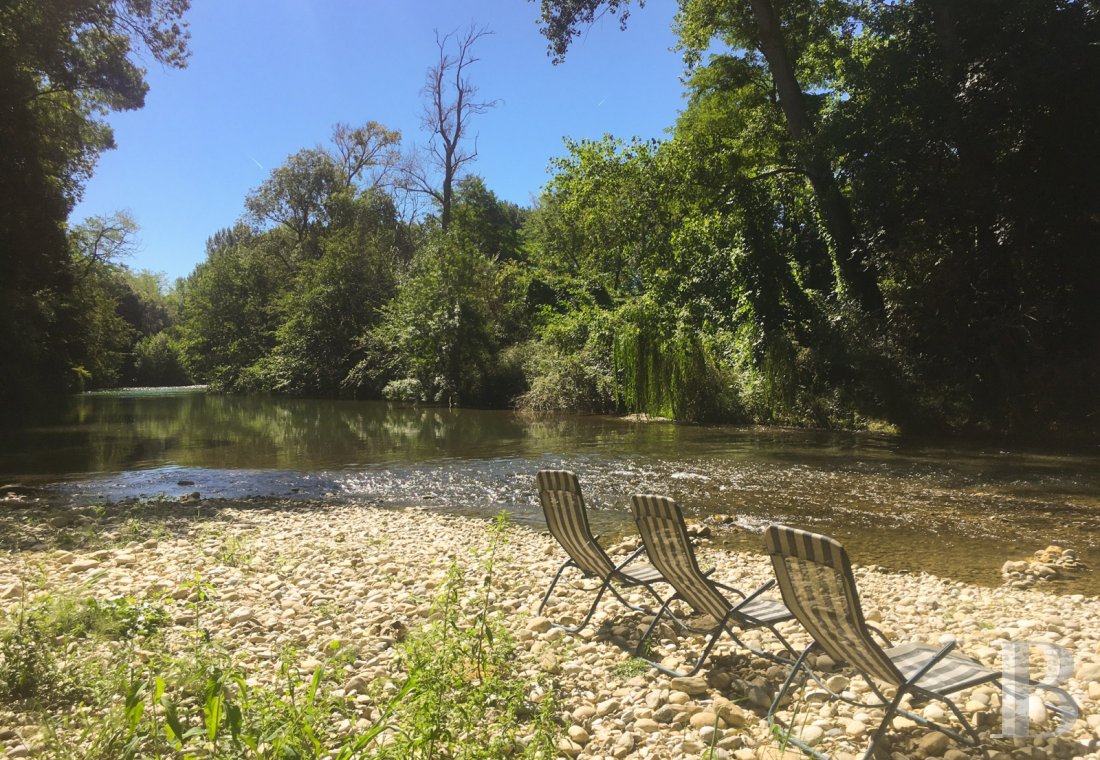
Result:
x=632 y=667
x=27 y=664
x=464 y=696
x=149 y=693
x=235 y=552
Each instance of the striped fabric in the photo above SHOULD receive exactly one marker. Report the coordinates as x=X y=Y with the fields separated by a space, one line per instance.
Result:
x=815 y=578
x=764 y=610
x=567 y=519
x=816 y=581
x=661 y=524
x=953 y=673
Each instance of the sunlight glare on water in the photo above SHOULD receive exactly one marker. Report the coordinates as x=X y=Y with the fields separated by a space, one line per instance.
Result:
x=951 y=509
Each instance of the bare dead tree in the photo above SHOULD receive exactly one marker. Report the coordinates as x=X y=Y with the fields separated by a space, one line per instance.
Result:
x=450 y=102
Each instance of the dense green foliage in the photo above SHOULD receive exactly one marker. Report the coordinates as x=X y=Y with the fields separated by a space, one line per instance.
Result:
x=121 y=318
x=906 y=239
x=867 y=212
x=63 y=63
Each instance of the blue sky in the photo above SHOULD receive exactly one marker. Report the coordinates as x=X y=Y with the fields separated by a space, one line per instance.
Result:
x=270 y=77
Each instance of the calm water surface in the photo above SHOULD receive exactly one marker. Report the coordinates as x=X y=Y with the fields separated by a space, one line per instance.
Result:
x=955 y=510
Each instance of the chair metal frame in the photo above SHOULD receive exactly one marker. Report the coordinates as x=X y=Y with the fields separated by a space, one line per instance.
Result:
x=669 y=548
x=783 y=543
x=567 y=519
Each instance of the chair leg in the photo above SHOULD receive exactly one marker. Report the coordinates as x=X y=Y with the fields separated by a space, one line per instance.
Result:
x=774 y=724
x=891 y=711
x=714 y=634
x=782 y=640
x=591 y=612
x=648 y=631
x=973 y=735
x=760 y=652
x=1068 y=709
x=628 y=605
x=660 y=603
x=553 y=583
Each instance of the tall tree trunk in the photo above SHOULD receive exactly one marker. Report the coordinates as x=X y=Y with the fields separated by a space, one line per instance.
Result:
x=446 y=200
x=853 y=268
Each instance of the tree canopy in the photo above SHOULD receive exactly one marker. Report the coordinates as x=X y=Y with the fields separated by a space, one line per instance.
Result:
x=63 y=65
x=867 y=214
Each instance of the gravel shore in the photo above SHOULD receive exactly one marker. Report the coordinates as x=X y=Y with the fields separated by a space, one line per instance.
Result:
x=288 y=573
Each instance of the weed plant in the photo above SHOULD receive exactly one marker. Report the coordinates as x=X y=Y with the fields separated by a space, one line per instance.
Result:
x=463 y=696
x=110 y=679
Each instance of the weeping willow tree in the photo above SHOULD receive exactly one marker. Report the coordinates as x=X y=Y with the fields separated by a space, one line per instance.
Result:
x=665 y=367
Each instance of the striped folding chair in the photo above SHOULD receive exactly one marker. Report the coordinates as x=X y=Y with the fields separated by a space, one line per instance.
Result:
x=567 y=519
x=665 y=538
x=816 y=581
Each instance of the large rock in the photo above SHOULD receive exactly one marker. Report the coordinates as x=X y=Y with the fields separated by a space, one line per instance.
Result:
x=578 y=734
x=624 y=746
x=668 y=714
x=80 y=564
x=933 y=744
x=1036 y=710
x=693 y=685
x=539 y=625
x=734 y=715
x=1088 y=672
x=706 y=718
x=239 y=615
x=11 y=591
x=812 y=735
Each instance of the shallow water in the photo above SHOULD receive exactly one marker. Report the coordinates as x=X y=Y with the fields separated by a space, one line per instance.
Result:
x=955 y=510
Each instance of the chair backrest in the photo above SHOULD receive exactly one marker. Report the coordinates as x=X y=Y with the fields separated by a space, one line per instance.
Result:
x=661 y=525
x=567 y=519
x=816 y=581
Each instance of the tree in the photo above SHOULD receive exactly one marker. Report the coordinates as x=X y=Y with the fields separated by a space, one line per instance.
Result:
x=973 y=155
x=562 y=20
x=438 y=335
x=102 y=241
x=956 y=156
x=331 y=302
x=305 y=194
x=63 y=64
x=492 y=225
x=750 y=27
x=279 y=305
x=116 y=312
x=450 y=104
x=228 y=315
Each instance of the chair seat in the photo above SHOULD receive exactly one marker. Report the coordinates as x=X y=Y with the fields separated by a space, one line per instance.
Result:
x=765 y=610
x=953 y=673
x=640 y=573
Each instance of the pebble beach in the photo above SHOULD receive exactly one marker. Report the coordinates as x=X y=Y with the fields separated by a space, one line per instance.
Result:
x=314 y=576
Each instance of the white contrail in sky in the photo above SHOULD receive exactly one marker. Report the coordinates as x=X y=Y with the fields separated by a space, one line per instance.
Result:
x=256 y=162
x=601 y=102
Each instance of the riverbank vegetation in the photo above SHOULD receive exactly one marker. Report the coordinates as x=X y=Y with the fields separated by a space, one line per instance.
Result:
x=866 y=213
x=162 y=676
x=314 y=630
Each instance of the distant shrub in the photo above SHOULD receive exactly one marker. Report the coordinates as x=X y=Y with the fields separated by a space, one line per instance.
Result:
x=158 y=360
x=405 y=389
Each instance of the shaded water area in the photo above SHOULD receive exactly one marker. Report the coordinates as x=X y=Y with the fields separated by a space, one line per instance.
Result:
x=954 y=510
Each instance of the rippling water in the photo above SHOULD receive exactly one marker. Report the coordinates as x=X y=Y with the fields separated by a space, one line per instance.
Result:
x=954 y=510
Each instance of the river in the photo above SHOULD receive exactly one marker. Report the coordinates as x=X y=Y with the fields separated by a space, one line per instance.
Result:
x=952 y=509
